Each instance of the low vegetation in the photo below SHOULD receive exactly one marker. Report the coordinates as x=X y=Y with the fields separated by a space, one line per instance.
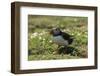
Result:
x=40 y=46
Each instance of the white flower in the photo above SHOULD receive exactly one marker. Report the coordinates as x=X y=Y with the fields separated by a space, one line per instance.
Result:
x=72 y=34
x=41 y=34
x=43 y=39
x=50 y=41
x=31 y=37
x=34 y=35
x=64 y=30
x=78 y=34
x=40 y=37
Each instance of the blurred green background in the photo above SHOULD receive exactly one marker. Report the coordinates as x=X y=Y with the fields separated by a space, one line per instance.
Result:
x=40 y=46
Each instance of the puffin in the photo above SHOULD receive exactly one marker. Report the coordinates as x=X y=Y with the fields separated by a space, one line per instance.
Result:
x=61 y=38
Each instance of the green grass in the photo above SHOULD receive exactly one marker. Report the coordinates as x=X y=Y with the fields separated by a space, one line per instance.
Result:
x=40 y=46
x=51 y=57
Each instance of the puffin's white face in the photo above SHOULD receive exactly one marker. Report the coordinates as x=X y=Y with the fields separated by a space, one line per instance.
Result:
x=55 y=31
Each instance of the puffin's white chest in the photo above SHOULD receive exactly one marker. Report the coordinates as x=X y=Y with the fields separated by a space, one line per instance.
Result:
x=60 y=41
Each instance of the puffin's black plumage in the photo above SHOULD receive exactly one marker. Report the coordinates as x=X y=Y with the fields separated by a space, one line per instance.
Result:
x=61 y=38
x=67 y=37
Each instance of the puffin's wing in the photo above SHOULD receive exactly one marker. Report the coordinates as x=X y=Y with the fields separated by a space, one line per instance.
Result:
x=67 y=37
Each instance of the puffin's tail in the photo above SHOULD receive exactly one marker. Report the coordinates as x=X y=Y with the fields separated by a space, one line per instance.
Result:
x=71 y=40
